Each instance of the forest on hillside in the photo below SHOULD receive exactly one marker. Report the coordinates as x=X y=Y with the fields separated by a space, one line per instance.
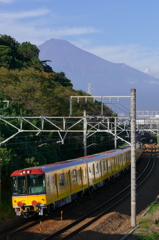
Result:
x=34 y=89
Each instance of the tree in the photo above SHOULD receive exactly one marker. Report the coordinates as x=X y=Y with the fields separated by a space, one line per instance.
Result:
x=6 y=56
x=9 y=41
x=27 y=51
x=14 y=55
x=62 y=79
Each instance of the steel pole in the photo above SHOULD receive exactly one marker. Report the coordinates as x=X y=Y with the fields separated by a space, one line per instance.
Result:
x=84 y=134
x=101 y=106
x=115 y=138
x=71 y=106
x=133 y=157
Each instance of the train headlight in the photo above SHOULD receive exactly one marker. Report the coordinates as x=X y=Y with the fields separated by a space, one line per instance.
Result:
x=20 y=204
x=34 y=203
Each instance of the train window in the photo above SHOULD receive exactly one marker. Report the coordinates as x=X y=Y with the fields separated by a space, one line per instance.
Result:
x=84 y=173
x=36 y=183
x=14 y=185
x=97 y=168
x=62 y=180
x=74 y=175
x=28 y=184
x=22 y=185
x=104 y=166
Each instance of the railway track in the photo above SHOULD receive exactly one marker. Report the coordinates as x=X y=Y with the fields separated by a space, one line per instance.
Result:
x=84 y=221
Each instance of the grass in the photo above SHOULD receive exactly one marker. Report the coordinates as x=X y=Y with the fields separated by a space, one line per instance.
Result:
x=145 y=222
x=153 y=207
x=152 y=236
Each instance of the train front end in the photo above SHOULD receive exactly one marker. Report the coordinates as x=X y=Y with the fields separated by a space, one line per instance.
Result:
x=28 y=192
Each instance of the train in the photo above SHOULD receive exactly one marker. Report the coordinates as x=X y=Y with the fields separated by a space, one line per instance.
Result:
x=41 y=189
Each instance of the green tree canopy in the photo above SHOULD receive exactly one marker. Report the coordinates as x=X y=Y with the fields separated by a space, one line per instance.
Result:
x=14 y=55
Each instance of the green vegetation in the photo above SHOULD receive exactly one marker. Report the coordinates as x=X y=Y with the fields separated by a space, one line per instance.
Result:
x=153 y=236
x=153 y=207
x=14 y=55
x=145 y=222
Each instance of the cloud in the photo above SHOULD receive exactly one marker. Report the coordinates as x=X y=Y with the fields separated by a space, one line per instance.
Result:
x=37 y=26
x=37 y=35
x=6 y=1
x=153 y=82
x=24 y=14
x=37 y=29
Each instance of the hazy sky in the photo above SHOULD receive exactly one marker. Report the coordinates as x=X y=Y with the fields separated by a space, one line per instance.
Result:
x=120 y=31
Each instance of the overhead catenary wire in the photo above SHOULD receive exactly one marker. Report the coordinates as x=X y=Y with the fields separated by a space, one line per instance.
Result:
x=127 y=113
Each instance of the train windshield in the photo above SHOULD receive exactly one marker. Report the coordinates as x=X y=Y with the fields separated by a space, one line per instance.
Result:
x=28 y=184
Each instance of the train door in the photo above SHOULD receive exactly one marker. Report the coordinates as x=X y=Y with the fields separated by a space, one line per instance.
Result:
x=117 y=164
x=121 y=161
x=97 y=169
x=48 y=186
x=104 y=168
x=54 y=184
x=90 y=174
x=109 y=167
x=113 y=164
x=85 y=178
x=68 y=182
x=80 y=178
x=124 y=159
x=74 y=180
x=101 y=169
x=93 y=172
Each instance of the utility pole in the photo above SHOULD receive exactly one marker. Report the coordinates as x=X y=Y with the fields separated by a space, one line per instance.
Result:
x=115 y=138
x=84 y=134
x=133 y=157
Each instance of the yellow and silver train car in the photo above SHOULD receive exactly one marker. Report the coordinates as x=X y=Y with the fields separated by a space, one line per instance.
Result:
x=49 y=186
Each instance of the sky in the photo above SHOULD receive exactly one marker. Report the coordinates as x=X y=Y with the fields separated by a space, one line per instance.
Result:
x=120 y=31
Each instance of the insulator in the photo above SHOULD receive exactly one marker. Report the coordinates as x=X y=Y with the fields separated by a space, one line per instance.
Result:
x=118 y=99
x=110 y=99
x=77 y=100
x=94 y=100
x=85 y=100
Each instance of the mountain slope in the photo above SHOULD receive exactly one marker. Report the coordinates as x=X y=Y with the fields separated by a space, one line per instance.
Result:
x=106 y=78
